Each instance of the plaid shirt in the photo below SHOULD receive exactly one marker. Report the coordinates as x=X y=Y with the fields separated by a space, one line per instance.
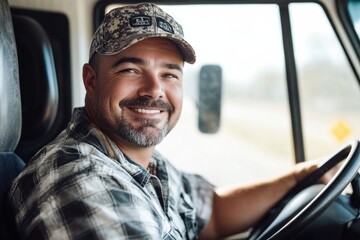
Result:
x=81 y=186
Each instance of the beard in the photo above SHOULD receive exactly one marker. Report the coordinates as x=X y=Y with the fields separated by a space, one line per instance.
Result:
x=147 y=134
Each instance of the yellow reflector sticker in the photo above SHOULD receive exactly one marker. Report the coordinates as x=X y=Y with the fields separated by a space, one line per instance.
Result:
x=341 y=130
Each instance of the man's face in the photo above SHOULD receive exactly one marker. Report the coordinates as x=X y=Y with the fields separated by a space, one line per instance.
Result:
x=137 y=94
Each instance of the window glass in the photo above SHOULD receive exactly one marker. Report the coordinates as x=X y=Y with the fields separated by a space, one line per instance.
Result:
x=354 y=11
x=254 y=138
x=329 y=91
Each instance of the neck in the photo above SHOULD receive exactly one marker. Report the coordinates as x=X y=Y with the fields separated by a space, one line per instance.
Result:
x=140 y=155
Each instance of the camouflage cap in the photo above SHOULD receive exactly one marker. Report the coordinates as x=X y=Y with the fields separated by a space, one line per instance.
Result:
x=125 y=26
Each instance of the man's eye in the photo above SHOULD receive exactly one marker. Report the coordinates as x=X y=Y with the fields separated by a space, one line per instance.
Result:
x=128 y=70
x=171 y=76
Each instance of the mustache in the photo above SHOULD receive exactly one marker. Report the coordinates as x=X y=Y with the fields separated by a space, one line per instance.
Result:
x=146 y=102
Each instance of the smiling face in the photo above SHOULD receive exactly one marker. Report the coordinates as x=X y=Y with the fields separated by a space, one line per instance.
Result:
x=135 y=96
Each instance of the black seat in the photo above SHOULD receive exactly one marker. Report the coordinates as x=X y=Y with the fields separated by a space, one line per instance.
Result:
x=10 y=167
x=10 y=114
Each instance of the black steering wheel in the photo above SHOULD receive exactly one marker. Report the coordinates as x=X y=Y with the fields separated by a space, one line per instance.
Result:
x=307 y=200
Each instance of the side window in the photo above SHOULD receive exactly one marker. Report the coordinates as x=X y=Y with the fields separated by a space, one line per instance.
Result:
x=329 y=91
x=254 y=139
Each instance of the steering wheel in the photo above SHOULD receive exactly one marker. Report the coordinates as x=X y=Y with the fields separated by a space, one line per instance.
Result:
x=308 y=199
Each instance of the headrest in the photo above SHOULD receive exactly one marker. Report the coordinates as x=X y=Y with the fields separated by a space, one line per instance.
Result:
x=10 y=103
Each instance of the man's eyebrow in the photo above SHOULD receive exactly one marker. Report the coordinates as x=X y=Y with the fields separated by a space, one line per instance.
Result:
x=128 y=60
x=173 y=66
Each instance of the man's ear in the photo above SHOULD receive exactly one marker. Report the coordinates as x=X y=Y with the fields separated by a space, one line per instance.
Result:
x=89 y=77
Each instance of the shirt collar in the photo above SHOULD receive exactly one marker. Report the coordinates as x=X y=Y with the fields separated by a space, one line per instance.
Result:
x=84 y=130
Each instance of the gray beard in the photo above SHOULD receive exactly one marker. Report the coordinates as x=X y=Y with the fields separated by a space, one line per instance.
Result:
x=141 y=136
x=145 y=136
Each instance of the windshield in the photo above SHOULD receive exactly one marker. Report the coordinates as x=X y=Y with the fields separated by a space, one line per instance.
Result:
x=254 y=138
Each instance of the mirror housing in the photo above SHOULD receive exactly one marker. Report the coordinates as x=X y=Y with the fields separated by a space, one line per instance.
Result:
x=209 y=103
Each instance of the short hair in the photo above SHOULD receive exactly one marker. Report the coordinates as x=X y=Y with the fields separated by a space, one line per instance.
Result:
x=94 y=61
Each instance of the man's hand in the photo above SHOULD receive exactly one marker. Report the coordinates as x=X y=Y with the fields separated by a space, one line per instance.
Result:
x=304 y=169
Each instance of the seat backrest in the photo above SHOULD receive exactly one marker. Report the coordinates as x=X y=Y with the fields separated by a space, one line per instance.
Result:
x=10 y=111
x=10 y=104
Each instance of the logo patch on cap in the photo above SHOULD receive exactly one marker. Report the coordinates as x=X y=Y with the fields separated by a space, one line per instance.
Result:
x=140 y=21
x=164 y=25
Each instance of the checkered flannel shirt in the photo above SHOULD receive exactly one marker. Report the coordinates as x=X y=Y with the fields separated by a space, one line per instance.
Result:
x=81 y=186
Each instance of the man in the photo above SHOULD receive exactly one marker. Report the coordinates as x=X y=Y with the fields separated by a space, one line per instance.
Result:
x=102 y=178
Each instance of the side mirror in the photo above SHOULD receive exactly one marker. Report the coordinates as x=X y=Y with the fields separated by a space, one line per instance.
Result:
x=209 y=104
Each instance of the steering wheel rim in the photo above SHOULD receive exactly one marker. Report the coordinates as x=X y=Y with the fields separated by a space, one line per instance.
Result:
x=298 y=220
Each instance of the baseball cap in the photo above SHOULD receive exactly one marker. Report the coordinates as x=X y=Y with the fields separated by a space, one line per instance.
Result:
x=127 y=25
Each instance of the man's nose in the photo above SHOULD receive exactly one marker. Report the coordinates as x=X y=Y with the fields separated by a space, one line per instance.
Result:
x=152 y=87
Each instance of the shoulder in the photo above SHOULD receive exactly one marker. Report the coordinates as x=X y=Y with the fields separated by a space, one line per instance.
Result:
x=58 y=167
